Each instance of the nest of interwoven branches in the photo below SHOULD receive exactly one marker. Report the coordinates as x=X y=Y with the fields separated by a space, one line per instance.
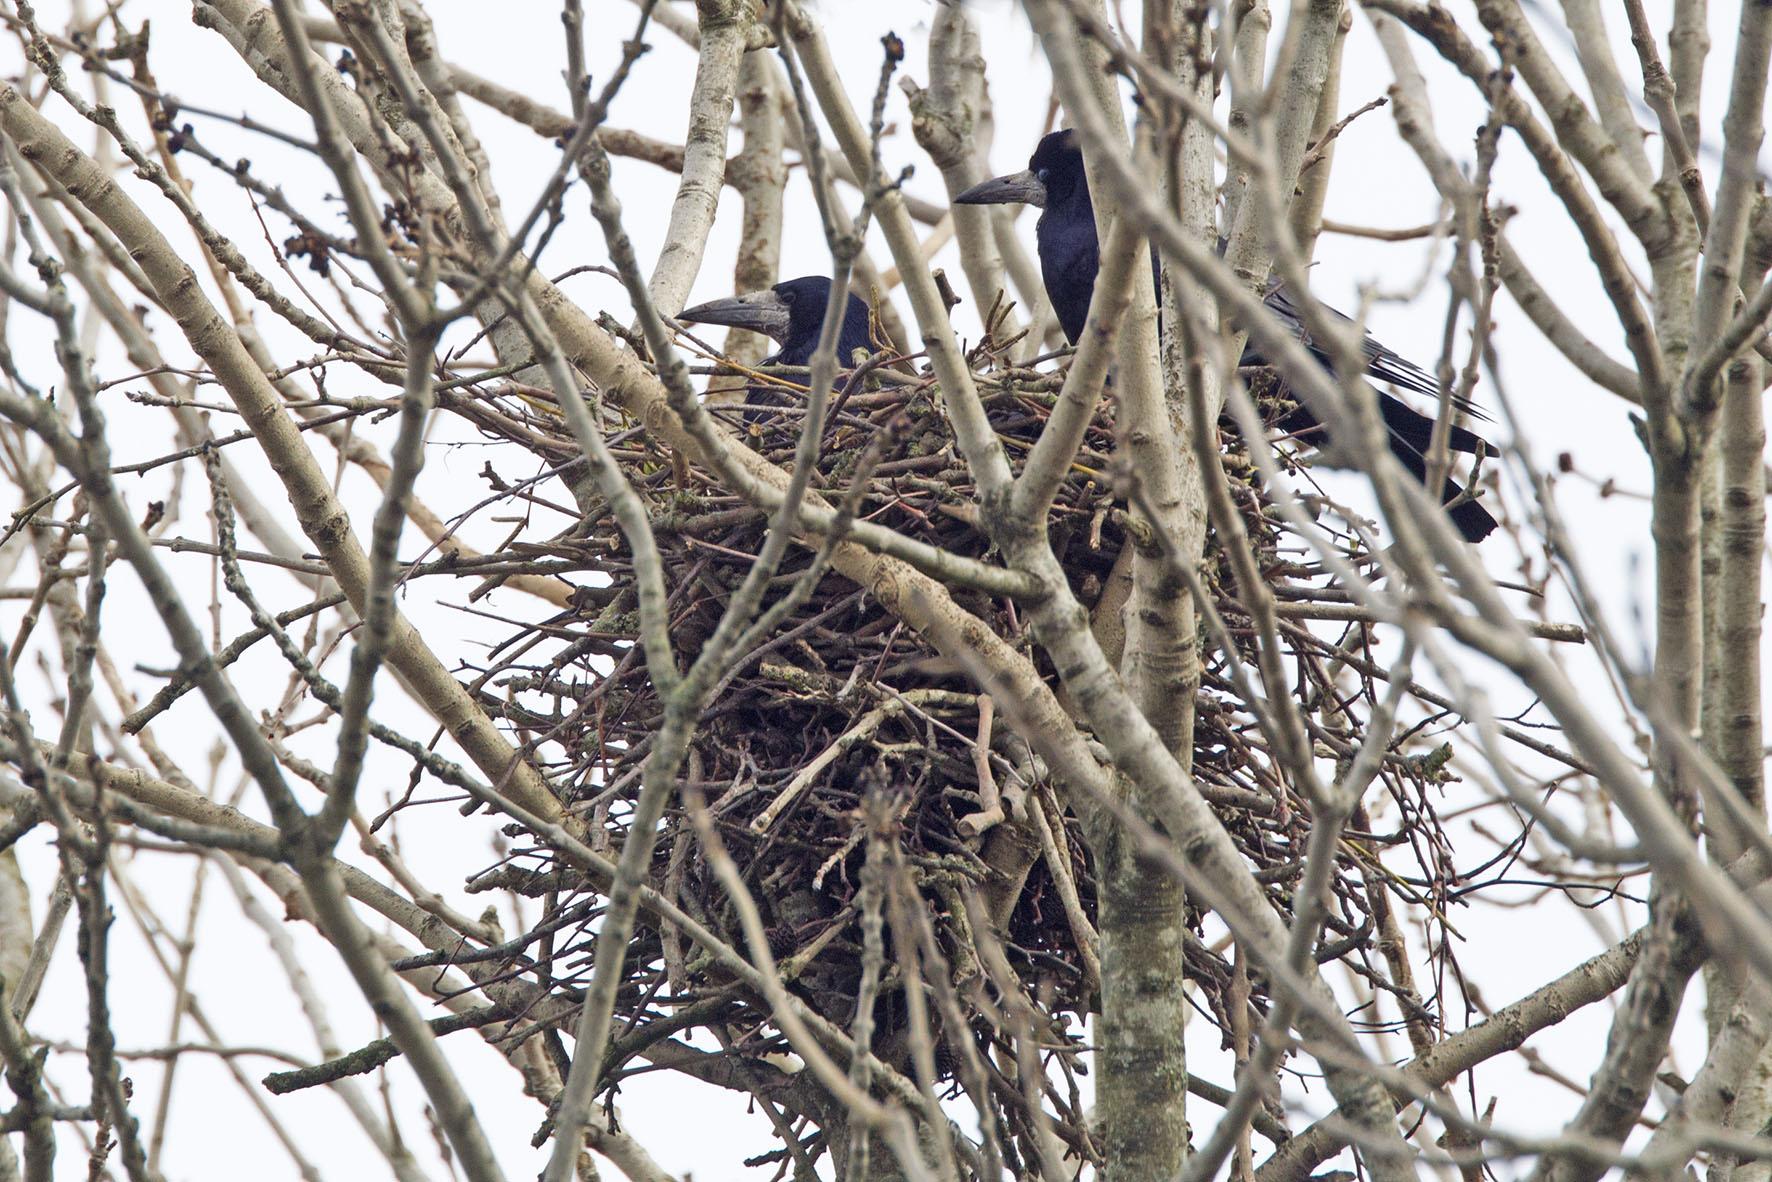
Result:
x=857 y=779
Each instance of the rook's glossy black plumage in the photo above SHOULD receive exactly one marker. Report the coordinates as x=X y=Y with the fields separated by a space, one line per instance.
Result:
x=1069 y=258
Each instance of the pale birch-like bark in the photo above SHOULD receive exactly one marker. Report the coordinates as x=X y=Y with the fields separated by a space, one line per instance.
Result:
x=947 y=121
x=1098 y=731
x=724 y=25
x=760 y=176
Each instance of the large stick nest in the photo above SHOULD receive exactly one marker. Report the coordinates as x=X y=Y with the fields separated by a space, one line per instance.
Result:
x=844 y=750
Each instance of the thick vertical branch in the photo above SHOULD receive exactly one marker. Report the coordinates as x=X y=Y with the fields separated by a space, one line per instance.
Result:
x=1243 y=63
x=1718 y=469
x=724 y=25
x=761 y=175
x=1739 y=751
x=1719 y=282
x=1143 y=1086
x=1288 y=109
x=945 y=120
x=1306 y=212
x=1587 y=29
x=1160 y=657
x=1688 y=43
x=1736 y=731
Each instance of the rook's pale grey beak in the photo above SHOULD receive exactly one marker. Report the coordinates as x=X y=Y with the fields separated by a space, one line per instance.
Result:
x=1016 y=188
x=759 y=311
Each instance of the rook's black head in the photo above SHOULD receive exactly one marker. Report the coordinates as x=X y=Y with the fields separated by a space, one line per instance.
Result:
x=1054 y=178
x=1055 y=181
x=1057 y=163
x=790 y=313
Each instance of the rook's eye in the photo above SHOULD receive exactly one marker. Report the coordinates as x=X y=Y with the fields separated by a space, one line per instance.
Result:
x=789 y=296
x=1042 y=175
